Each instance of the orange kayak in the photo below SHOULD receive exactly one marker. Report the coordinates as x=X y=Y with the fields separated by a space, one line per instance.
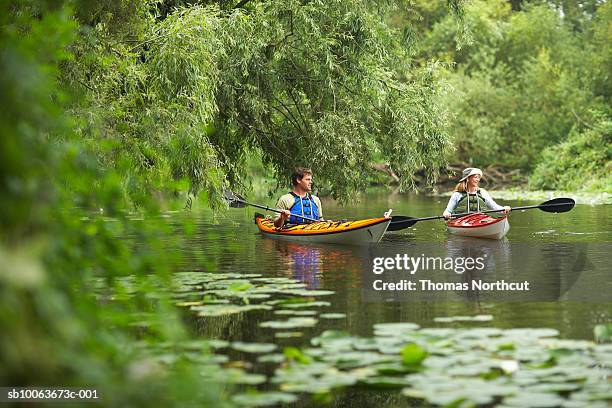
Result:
x=336 y=232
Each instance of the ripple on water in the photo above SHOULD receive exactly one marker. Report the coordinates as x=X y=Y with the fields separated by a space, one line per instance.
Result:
x=545 y=232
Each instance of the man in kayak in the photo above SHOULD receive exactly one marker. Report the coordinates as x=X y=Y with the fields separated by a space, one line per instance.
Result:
x=299 y=201
x=468 y=197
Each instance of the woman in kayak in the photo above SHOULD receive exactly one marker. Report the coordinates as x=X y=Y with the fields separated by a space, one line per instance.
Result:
x=468 y=197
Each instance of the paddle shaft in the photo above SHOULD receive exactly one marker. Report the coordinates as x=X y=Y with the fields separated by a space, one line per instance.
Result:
x=438 y=217
x=526 y=207
x=564 y=204
x=274 y=210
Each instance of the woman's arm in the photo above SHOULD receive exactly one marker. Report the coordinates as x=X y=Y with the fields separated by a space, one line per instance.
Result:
x=452 y=204
x=489 y=200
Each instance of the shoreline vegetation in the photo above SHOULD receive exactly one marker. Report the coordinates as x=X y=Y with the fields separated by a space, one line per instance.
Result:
x=505 y=184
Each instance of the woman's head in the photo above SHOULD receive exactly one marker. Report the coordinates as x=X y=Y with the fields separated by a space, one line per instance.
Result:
x=469 y=178
x=469 y=172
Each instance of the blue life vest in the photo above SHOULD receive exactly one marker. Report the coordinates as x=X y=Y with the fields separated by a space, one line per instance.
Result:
x=303 y=206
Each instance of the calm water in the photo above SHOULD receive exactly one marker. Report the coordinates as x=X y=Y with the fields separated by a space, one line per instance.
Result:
x=234 y=245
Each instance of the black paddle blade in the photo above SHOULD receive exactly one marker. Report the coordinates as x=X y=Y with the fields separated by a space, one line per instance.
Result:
x=234 y=200
x=400 y=222
x=557 y=205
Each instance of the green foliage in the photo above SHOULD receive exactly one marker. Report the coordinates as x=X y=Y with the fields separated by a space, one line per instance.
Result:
x=524 y=79
x=598 y=55
x=29 y=52
x=295 y=354
x=116 y=103
x=323 y=85
x=54 y=330
x=583 y=161
x=481 y=113
x=473 y=44
x=531 y=31
x=603 y=333
x=153 y=100
x=413 y=354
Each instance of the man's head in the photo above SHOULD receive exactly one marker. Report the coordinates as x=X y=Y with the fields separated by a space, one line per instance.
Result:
x=302 y=179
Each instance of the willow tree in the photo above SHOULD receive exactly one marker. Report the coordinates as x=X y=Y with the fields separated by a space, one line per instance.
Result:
x=329 y=85
x=189 y=92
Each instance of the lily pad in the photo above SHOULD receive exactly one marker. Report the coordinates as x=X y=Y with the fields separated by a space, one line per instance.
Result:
x=477 y=318
x=307 y=304
x=603 y=332
x=285 y=312
x=240 y=286
x=271 y=358
x=188 y=304
x=554 y=387
x=332 y=315
x=295 y=354
x=242 y=294
x=531 y=333
x=354 y=359
x=314 y=378
x=264 y=399
x=291 y=323
x=457 y=366
x=253 y=347
x=536 y=400
x=223 y=310
x=413 y=354
x=296 y=303
x=395 y=368
x=334 y=339
x=288 y=335
x=309 y=293
x=232 y=376
x=394 y=329
x=385 y=382
x=200 y=344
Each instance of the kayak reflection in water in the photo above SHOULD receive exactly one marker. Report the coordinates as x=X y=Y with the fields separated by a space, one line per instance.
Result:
x=468 y=197
x=299 y=201
x=496 y=256
x=300 y=262
x=305 y=261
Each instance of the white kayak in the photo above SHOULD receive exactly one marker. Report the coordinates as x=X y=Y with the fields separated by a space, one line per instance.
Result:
x=479 y=225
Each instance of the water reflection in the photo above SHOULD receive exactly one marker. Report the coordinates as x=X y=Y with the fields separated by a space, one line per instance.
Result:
x=494 y=253
x=300 y=262
x=476 y=270
x=552 y=269
x=563 y=271
x=308 y=262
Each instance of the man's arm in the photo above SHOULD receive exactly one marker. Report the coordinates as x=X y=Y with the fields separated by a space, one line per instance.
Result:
x=281 y=218
x=319 y=206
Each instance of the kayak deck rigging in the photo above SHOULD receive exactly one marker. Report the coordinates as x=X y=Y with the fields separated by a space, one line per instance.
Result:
x=479 y=225
x=339 y=232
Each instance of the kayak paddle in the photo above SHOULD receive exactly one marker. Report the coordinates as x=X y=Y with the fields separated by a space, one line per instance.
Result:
x=556 y=205
x=235 y=201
